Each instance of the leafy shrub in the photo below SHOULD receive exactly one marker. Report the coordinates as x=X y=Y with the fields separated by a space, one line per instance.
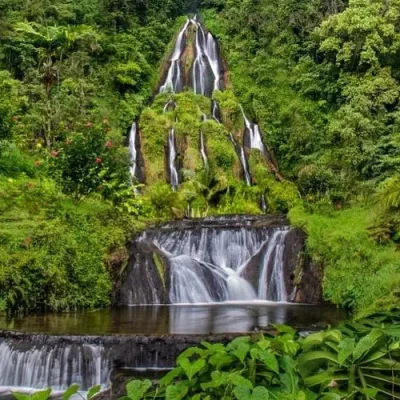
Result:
x=14 y=162
x=53 y=251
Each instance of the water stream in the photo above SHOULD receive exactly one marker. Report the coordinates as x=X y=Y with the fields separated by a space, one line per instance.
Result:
x=172 y=153
x=133 y=150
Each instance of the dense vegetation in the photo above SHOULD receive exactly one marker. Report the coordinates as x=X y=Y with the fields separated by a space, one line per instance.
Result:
x=73 y=76
x=356 y=360
x=321 y=77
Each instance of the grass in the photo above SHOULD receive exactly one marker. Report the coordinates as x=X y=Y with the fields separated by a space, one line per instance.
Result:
x=360 y=274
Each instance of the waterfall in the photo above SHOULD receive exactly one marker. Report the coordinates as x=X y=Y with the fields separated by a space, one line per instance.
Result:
x=213 y=58
x=56 y=366
x=264 y=207
x=174 y=80
x=203 y=149
x=199 y=67
x=133 y=150
x=254 y=134
x=202 y=145
x=245 y=167
x=215 y=111
x=206 y=64
x=172 y=153
x=270 y=284
x=212 y=264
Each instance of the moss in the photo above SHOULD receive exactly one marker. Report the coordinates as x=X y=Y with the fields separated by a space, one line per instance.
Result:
x=160 y=267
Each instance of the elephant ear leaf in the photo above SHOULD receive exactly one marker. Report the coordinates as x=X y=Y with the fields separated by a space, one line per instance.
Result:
x=346 y=348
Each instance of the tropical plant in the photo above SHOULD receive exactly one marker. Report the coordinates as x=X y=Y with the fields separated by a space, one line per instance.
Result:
x=361 y=363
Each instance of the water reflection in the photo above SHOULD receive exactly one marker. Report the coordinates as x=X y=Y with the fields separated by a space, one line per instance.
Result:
x=200 y=319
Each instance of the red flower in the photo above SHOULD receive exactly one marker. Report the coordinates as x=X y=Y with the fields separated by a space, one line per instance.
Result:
x=54 y=153
x=98 y=160
x=89 y=125
x=108 y=144
x=38 y=163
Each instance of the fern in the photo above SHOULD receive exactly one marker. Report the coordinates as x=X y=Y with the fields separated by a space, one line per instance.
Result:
x=389 y=194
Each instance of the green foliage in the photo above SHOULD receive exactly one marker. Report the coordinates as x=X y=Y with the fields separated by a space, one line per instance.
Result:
x=360 y=274
x=357 y=360
x=53 y=251
x=247 y=368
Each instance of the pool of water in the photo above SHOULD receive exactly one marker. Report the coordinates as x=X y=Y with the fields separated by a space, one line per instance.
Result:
x=183 y=319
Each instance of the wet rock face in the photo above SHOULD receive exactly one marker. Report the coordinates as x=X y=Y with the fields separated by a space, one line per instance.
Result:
x=144 y=281
x=236 y=258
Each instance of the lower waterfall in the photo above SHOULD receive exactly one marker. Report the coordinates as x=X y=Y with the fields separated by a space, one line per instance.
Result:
x=56 y=366
x=211 y=263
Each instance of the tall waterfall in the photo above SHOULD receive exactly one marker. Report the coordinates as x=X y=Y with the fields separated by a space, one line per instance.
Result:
x=202 y=145
x=172 y=153
x=206 y=68
x=254 y=133
x=174 y=80
x=56 y=366
x=133 y=149
x=245 y=166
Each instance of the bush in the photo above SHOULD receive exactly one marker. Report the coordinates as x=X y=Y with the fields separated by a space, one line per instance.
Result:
x=53 y=251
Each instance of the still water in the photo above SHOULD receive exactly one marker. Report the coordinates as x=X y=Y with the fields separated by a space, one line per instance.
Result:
x=185 y=319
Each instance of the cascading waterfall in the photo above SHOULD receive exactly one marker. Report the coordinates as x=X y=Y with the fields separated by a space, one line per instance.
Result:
x=264 y=203
x=254 y=134
x=206 y=65
x=174 y=80
x=245 y=167
x=172 y=153
x=210 y=265
x=215 y=111
x=202 y=145
x=133 y=150
x=55 y=366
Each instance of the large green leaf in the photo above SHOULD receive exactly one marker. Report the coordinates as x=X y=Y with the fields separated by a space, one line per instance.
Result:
x=318 y=355
x=169 y=378
x=238 y=380
x=93 y=391
x=367 y=344
x=267 y=358
x=191 y=369
x=42 y=395
x=176 y=392
x=346 y=348
x=137 y=389
x=241 y=351
x=72 y=390
x=217 y=379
